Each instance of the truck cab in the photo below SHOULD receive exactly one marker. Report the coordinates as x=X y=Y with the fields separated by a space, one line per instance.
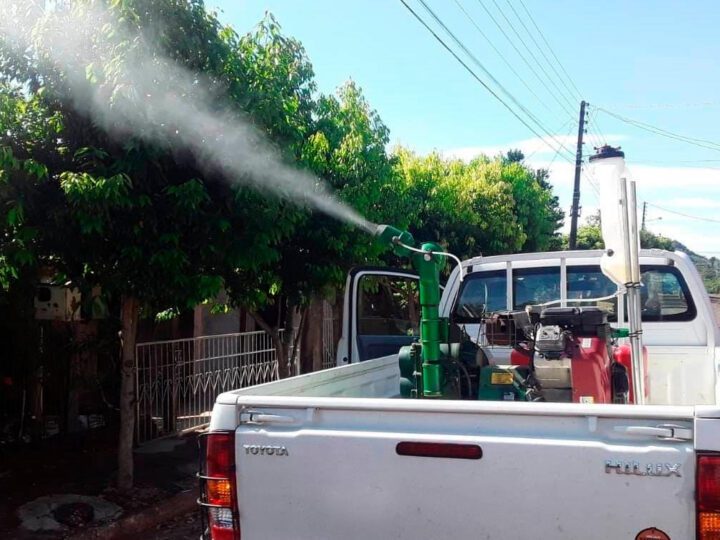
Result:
x=679 y=328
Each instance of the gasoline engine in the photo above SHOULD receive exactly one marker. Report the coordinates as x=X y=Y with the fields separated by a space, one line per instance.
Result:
x=565 y=355
x=559 y=354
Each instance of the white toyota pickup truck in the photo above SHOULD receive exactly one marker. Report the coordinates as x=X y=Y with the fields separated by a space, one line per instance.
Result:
x=337 y=454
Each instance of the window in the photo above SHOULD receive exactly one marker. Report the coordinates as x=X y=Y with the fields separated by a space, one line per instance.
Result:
x=590 y=282
x=388 y=306
x=664 y=295
x=482 y=292
x=533 y=286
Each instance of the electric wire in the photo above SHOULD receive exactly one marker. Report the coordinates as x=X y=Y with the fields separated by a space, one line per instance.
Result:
x=594 y=128
x=595 y=123
x=542 y=35
x=559 y=130
x=563 y=106
x=683 y=161
x=690 y=216
x=542 y=52
x=477 y=62
x=592 y=137
x=500 y=54
x=484 y=84
x=537 y=62
x=689 y=164
x=703 y=143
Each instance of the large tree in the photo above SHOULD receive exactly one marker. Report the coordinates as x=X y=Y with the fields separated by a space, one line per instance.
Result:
x=133 y=209
x=128 y=144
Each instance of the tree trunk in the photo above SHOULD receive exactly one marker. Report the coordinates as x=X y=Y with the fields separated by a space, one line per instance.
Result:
x=129 y=317
x=311 y=348
x=280 y=350
x=296 y=343
x=287 y=338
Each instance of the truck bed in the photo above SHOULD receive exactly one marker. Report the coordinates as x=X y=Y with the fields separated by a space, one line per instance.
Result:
x=547 y=470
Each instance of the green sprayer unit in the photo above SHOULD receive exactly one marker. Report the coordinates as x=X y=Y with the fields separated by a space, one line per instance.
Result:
x=557 y=353
x=421 y=364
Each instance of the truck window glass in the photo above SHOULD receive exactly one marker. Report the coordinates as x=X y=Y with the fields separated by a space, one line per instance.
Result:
x=388 y=306
x=589 y=282
x=535 y=286
x=482 y=293
x=664 y=294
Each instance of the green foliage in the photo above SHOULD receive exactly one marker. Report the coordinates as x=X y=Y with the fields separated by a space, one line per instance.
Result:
x=148 y=220
x=485 y=206
x=589 y=236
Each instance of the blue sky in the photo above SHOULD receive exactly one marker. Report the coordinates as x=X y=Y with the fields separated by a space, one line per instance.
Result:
x=653 y=61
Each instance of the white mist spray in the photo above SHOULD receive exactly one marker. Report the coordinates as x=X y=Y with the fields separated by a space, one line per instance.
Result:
x=153 y=98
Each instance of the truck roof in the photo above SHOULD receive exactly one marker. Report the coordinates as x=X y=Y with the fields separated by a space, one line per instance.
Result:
x=575 y=254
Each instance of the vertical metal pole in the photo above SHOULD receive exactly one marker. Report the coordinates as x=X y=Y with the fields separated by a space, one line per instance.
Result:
x=638 y=370
x=575 y=212
x=631 y=293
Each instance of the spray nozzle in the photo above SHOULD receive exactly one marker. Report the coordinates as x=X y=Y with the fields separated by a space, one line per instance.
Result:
x=396 y=238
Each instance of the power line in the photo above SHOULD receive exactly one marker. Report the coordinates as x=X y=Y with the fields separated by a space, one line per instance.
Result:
x=507 y=63
x=558 y=130
x=703 y=143
x=690 y=216
x=527 y=63
x=592 y=134
x=689 y=164
x=542 y=35
x=476 y=77
x=688 y=161
x=527 y=48
x=542 y=52
x=599 y=135
x=477 y=62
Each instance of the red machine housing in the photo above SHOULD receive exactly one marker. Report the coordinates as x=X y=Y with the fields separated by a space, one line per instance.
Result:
x=623 y=356
x=591 y=369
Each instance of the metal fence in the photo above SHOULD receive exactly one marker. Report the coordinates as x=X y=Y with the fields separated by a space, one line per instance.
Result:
x=178 y=381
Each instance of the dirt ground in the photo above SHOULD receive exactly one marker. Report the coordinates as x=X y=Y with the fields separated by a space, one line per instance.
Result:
x=84 y=464
x=184 y=527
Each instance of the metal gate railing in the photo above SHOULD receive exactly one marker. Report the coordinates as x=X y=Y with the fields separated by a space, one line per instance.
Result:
x=177 y=381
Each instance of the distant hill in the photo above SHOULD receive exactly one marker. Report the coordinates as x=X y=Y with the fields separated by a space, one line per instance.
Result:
x=709 y=268
x=590 y=237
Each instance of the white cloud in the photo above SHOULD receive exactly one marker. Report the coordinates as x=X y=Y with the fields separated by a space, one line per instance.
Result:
x=691 y=190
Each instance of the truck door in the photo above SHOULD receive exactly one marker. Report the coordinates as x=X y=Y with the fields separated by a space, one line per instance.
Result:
x=381 y=313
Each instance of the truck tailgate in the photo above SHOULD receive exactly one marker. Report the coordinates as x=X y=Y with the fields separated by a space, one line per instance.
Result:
x=323 y=468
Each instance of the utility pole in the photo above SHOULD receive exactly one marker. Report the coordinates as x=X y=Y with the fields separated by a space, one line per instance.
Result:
x=642 y=227
x=575 y=212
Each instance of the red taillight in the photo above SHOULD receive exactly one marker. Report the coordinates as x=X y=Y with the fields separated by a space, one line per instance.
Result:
x=708 y=496
x=439 y=450
x=218 y=487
